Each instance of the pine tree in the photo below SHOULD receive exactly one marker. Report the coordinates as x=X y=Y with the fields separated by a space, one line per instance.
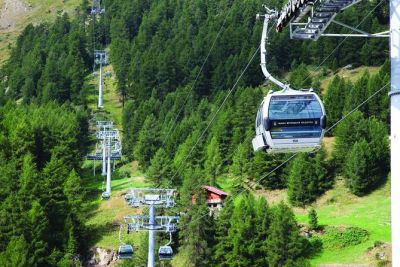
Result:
x=347 y=133
x=16 y=253
x=160 y=170
x=197 y=237
x=241 y=234
x=213 y=161
x=308 y=178
x=335 y=98
x=301 y=188
x=262 y=166
x=300 y=77
x=222 y=242
x=357 y=95
x=38 y=234
x=148 y=142
x=356 y=168
x=240 y=160
x=284 y=243
x=74 y=192
x=313 y=219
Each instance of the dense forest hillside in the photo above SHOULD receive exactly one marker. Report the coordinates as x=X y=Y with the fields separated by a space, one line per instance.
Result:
x=188 y=78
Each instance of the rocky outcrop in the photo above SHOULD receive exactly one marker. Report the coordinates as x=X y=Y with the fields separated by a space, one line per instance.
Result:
x=102 y=257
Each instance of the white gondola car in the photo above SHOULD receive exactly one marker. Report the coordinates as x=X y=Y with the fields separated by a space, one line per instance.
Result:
x=287 y=120
x=165 y=253
x=290 y=121
x=125 y=252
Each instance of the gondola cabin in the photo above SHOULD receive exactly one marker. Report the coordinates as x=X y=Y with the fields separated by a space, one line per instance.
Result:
x=165 y=253
x=105 y=196
x=290 y=121
x=125 y=252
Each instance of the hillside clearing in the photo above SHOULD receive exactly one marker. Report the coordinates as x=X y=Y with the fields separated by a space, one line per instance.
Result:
x=105 y=217
x=338 y=207
x=347 y=74
x=15 y=15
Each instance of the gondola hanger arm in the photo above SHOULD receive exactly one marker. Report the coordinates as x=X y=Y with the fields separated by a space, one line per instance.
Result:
x=269 y=15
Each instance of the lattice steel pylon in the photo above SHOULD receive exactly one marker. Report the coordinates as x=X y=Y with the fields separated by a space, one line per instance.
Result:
x=151 y=198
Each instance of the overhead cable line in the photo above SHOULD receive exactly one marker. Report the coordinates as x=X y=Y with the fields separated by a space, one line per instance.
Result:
x=216 y=113
x=181 y=164
x=197 y=77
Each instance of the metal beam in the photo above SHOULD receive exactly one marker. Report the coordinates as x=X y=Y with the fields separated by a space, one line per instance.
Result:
x=395 y=128
x=150 y=257
x=355 y=35
x=349 y=27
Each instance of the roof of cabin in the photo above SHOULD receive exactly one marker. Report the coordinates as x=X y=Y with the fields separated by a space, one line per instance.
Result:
x=215 y=190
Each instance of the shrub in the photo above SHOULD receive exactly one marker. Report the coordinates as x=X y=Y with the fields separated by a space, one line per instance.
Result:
x=339 y=237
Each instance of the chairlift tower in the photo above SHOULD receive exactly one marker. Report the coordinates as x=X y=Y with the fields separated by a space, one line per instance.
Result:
x=151 y=198
x=106 y=135
x=108 y=148
x=101 y=58
x=96 y=8
x=395 y=127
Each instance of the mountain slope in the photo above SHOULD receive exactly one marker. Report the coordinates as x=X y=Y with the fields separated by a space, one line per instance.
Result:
x=15 y=15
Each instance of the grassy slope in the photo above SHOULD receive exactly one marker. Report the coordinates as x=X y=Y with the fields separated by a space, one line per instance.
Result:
x=351 y=75
x=339 y=207
x=371 y=212
x=106 y=216
x=39 y=11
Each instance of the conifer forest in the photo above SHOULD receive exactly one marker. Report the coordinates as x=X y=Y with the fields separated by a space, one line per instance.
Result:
x=127 y=134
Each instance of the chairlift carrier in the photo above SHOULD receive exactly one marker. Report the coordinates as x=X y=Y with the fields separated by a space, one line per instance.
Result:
x=125 y=251
x=165 y=253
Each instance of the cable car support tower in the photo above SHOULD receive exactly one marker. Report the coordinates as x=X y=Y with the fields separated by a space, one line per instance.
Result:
x=151 y=198
x=101 y=58
x=395 y=127
x=108 y=148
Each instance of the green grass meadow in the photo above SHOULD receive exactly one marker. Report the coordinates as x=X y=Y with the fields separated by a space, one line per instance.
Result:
x=339 y=208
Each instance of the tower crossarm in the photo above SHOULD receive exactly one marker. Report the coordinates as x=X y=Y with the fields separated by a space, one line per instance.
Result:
x=141 y=223
x=150 y=196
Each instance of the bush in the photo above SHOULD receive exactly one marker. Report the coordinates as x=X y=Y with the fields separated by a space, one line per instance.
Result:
x=336 y=237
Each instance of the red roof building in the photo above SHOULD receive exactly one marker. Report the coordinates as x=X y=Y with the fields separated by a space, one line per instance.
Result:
x=215 y=198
